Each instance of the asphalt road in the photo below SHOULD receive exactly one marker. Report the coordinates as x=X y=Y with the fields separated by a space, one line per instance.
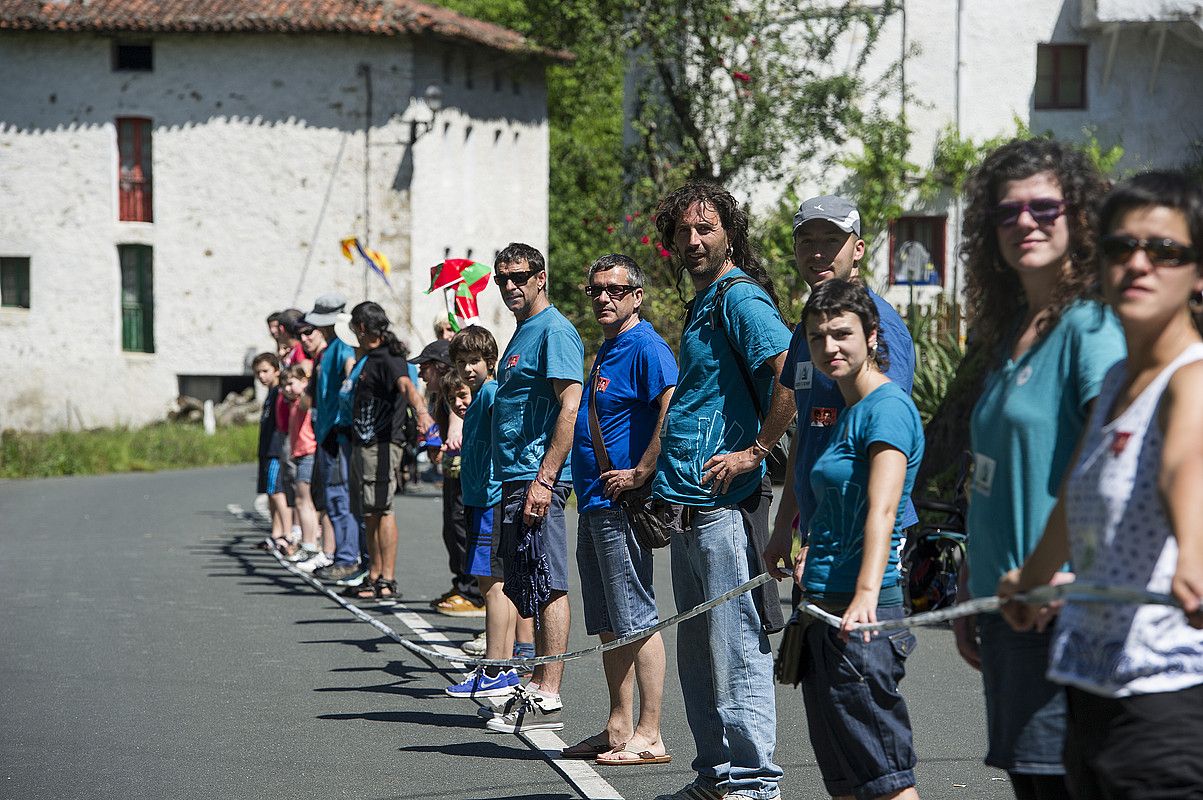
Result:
x=151 y=651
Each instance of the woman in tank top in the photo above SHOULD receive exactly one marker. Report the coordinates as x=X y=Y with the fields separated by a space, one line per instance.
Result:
x=1130 y=515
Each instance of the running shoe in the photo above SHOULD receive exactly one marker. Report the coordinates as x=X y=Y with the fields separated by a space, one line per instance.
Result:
x=475 y=647
x=301 y=555
x=530 y=711
x=338 y=573
x=357 y=577
x=459 y=606
x=479 y=684
x=319 y=561
x=695 y=791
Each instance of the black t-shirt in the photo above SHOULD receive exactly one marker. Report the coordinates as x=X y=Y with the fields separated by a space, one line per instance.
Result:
x=379 y=412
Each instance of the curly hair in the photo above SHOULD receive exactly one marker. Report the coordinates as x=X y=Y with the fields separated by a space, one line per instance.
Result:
x=475 y=340
x=994 y=293
x=735 y=223
x=837 y=296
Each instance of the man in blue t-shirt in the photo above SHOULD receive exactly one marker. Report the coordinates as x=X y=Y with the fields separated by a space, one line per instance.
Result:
x=534 y=410
x=710 y=472
x=827 y=245
x=624 y=403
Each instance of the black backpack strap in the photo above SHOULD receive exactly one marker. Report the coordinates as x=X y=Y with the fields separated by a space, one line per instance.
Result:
x=716 y=322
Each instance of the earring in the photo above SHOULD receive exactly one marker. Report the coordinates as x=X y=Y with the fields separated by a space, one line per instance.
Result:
x=1196 y=302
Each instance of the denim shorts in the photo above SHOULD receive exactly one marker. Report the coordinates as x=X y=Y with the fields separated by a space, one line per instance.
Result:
x=483 y=552
x=858 y=721
x=1025 y=712
x=616 y=574
x=553 y=530
x=303 y=468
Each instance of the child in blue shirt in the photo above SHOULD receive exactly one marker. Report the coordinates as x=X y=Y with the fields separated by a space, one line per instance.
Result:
x=470 y=389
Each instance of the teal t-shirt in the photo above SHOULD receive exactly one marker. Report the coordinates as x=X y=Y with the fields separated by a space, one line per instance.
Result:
x=525 y=408
x=326 y=416
x=480 y=488
x=840 y=482
x=711 y=411
x=1023 y=432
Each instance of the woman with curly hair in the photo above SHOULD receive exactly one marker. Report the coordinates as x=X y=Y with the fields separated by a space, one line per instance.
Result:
x=1047 y=341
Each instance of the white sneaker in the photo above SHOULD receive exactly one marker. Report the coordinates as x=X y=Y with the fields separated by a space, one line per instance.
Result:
x=529 y=711
x=475 y=647
x=317 y=562
x=302 y=554
x=294 y=536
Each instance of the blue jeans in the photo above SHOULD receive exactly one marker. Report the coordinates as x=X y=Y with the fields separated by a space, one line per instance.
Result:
x=616 y=574
x=338 y=502
x=724 y=659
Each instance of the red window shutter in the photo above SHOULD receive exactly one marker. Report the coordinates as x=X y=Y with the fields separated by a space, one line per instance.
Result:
x=134 y=179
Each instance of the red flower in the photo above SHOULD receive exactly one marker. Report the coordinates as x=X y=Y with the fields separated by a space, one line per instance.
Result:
x=742 y=77
x=664 y=253
x=636 y=214
x=629 y=217
x=609 y=229
x=644 y=240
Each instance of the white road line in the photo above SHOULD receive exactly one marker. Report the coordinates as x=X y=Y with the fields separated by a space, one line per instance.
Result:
x=579 y=774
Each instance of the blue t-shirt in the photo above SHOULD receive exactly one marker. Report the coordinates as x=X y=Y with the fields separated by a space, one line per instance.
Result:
x=819 y=400
x=840 y=481
x=1023 y=432
x=544 y=347
x=634 y=369
x=326 y=416
x=711 y=411
x=480 y=488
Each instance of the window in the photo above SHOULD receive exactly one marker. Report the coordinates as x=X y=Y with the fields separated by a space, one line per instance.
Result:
x=1060 y=76
x=134 y=172
x=917 y=251
x=14 y=282
x=468 y=82
x=131 y=57
x=137 y=299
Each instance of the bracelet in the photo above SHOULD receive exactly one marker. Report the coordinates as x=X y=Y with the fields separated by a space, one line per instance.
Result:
x=545 y=484
x=764 y=451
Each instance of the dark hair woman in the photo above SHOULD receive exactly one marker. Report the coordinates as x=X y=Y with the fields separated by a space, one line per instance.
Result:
x=859 y=724
x=1032 y=283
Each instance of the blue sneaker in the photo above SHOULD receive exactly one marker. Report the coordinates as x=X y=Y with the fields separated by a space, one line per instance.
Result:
x=479 y=684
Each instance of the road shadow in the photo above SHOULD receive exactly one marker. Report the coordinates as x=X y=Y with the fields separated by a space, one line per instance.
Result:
x=485 y=749
x=440 y=720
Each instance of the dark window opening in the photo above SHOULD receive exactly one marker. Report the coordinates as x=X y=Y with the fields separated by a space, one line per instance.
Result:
x=468 y=82
x=1060 y=76
x=14 y=282
x=134 y=183
x=137 y=298
x=129 y=57
x=917 y=251
x=213 y=387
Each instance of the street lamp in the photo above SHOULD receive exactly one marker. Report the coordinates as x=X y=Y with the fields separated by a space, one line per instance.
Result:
x=433 y=97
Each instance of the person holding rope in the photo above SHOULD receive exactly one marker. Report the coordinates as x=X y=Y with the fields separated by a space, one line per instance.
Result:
x=534 y=411
x=615 y=451
x=1031 y=275
x=709 y=487
x=1129 y=516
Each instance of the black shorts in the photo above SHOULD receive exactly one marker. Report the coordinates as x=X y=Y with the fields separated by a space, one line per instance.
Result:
x=1143 y=747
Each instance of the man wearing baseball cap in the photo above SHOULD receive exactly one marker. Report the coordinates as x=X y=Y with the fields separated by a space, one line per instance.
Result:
x=333 y=366
x=827 y=244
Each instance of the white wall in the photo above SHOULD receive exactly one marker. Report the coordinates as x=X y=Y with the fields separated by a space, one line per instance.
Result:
x=259 y=170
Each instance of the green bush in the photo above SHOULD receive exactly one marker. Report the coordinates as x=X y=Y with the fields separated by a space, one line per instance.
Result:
x=155 y=447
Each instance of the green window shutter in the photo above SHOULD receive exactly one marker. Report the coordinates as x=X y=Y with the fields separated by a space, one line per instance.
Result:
x=137 y=299
x=14 y=282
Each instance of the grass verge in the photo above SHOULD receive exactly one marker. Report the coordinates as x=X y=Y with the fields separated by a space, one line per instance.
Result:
x=160 y=446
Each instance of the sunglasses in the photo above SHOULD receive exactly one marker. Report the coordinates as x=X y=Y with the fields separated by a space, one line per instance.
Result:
x=1043 y=209
x=305 y=331
x=617 y=291
x=519 y=278
x=1160 y=252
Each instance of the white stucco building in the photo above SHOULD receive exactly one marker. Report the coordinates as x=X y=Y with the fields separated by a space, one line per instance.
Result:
x=1129 y=70
x=172 y=172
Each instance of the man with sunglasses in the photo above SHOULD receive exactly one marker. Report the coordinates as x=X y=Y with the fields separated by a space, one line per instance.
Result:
x=628 y=392
x=538 y=392
x=827 y=245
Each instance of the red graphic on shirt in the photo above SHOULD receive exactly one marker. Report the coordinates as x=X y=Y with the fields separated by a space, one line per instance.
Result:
x=513 y=362
x=602 y=383
x=822 y=417
x=1120 y=441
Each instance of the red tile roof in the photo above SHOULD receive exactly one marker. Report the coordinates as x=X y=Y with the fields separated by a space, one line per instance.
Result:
x=369 y=17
